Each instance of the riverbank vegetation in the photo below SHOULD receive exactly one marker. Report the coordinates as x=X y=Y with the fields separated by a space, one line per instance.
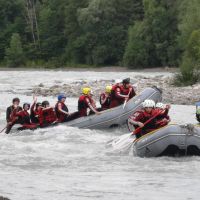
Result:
x=131 y=33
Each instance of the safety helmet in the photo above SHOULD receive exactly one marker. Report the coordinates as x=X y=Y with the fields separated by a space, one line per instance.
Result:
x=45 y=103
x=38 y=104
x=126 y=81
x=108 y=88
x=86 y=90
x=118 y=81
x=160 y=105
x=28 y=104
x=148 y=103
x=61 y=96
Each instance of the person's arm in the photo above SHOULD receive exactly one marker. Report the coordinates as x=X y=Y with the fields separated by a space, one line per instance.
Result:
x=135 y=119
x=103 y=99
x=8 y=113
x=119 y=95
x=91 y=107
x=61 y=110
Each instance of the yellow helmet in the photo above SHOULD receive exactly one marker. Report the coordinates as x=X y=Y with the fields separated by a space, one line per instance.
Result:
x=108 y=88
x=86 y=90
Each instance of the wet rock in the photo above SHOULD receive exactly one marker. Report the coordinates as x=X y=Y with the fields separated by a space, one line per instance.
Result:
x=171 y=94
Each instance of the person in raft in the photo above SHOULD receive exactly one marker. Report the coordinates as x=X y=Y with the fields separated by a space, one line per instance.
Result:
x=22 y=117
x=105 y=98
x=14 y=107
x=61 y=109
x=163 y=119
x=47 y=115
x=148 y=112
x=36 y=107
x=86 y=104
x=121 y=92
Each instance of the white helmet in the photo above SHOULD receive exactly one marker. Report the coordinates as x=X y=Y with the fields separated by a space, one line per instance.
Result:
x=118 y=81
x=148 y=103
x=160 y=105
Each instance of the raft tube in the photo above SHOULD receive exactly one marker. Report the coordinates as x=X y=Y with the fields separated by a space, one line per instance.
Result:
x=171 y=140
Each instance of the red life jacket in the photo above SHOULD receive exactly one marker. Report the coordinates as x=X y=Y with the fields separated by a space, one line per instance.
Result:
x=61 y=116
x=143 y=116
x=23 y=117
x=47 y=116
x=107 y=99
x=115 y=99
x=83 y=105
x=125 y=91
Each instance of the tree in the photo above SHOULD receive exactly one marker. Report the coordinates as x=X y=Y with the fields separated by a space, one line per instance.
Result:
x=14 y=54
x=154 y=36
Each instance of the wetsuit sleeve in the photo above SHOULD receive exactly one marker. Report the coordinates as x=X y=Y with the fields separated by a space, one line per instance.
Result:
x=33 y=107
x=8 y=114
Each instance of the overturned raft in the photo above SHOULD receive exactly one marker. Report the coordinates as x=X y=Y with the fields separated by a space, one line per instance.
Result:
x=171 y=140
x=116 y=116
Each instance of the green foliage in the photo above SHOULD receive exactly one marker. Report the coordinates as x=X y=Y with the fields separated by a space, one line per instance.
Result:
x=14 y=54
x=189 y=41
x=152 y=41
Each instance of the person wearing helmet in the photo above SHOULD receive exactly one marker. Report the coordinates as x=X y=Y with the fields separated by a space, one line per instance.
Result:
x=35 y=110
x=86 y=104
x=105 y=98
x=47 y=115
x=22 y=117
x=61 y=109
x=13 y=108
x=140 y=117
x=121 y=92
x=163 y=119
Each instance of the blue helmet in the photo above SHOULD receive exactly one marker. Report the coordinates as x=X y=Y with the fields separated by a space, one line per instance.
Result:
x=61 y=96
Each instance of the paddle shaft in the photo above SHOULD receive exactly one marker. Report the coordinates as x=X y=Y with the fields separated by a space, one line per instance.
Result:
x=137 y=130
x=126 y=100
x=3 y=129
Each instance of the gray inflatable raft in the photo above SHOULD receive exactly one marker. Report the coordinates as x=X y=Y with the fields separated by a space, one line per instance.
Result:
x=112 y=117
x=171 y=140
x=116 y=116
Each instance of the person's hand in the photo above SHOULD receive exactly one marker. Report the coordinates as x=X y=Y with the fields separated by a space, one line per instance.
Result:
x=168 y=106
x=98 y=113
x=34 y=99
x=140 y=124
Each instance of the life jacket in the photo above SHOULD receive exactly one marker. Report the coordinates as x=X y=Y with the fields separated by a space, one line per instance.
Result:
x=113 y=91
x=125 y=91
x=104 y=105
x=143 y=116
x=61 y=116
x=34 y=115
x=83 y=105
x=11 y=111
x=23 y=117
x=47 y=116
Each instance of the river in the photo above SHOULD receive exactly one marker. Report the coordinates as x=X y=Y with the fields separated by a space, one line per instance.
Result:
x=70 y=163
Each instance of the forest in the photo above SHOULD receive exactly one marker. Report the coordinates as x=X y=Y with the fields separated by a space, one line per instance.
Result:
x=130 y=33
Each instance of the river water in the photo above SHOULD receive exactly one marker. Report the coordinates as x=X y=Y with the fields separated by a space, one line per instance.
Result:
x=70 y=163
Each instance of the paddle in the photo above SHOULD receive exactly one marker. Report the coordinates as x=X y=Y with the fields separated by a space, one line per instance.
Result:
x=124 y=142
x=126 y=100
x=3 y=129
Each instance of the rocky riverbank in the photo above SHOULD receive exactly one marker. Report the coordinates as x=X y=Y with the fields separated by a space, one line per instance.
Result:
x=171 y=94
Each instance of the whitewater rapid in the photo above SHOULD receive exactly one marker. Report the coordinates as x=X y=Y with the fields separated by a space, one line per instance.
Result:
x=70 y=163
